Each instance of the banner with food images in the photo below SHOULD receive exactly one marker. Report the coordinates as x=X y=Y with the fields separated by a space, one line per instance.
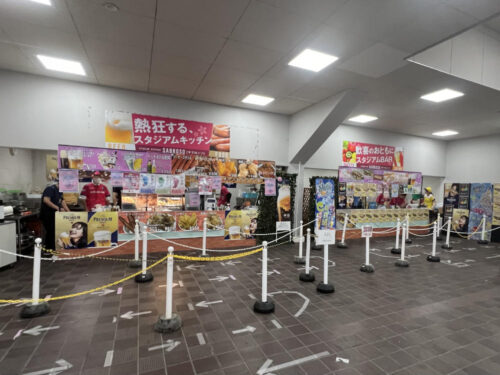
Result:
x=325 y=203
x=284 y=200
x=358 y=154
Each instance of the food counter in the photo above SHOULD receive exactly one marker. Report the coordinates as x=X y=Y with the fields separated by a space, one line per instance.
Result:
x=382 y=218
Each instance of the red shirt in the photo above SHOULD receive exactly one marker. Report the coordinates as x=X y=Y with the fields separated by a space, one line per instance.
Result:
x=96 y=194
x=398 y=201
x=223 y=196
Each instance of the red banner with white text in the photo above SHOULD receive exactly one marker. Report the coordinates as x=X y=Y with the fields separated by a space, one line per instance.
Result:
x=366 y=155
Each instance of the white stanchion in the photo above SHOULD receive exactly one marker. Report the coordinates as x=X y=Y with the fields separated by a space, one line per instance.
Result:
x=324 y=286
x=264 y=306
x=367 y=267
x=36 y=307
x=169 y=322
x=440 y=224
x=446 y=245
x=408 y=239
x=433 y=257
x=396 y=249
x=307 y=275
x=146 y=275
x=402 y=262
x=300 y=259
x=483 y=240
x=204 y=243
x=342 y=244
x=136 y=262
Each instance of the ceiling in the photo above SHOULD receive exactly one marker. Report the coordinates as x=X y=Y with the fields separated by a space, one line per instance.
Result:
x=219 y=51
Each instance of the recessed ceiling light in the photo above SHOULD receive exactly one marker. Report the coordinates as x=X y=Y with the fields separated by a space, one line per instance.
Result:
x=312 y=60
x=445 y=133
x=363 y=119
x=257 y=99
x=61 y=65
x=44 y=2
x=442 y=95
x=112 y=7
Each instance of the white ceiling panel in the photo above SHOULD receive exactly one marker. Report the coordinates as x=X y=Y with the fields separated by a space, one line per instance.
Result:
x=317 y=10
x=177 y=66
x=311 y=93
x=111 y=75
x=287 y=105
x=480 y=9
x=187 y=42
x=217 y=94
x=145 y=8
x=171 y=85
x=282 y=82
x=93 y=21
x=265 y=26
x=247 y=58
x=231 y=78
x=214 y=17
x=12 y=57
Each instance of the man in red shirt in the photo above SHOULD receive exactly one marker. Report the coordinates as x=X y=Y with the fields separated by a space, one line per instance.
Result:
x=400 y=201
x=95 y=193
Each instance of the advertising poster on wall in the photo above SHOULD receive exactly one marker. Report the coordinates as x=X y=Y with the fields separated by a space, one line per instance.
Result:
x=325 y=204
x=148 y=183
x=460 y=220
x=358 y=154
x=270 y=187
x=496 y=204
x=102 y=229
x=240 y=224
x=116 y=179
x=68 y=181
x=284 y=200
x=131 y=182
x=481 y=203
x=71 y=230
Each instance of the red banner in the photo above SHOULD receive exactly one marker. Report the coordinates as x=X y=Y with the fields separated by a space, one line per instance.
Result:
x=366 y=155
x=154 y=132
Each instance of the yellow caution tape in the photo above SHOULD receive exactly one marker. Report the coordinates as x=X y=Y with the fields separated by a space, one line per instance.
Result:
x=218 y=259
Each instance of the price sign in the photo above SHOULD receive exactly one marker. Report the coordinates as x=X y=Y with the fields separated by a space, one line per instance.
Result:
x=283 y=226
x=325 y=237
x=366 y=231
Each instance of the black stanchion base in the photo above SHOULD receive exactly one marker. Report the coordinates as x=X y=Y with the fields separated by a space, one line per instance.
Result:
x=483 y=242
x=368 y=268
x=433 y=258
x=144 y=278
x=307 y=277
x=342 y=245
x=164 y=325
x=32 y=311
x=299 y=260
x=439 y=238
x=408 y=240
x=446 y=247
x=325 y=288
x=316 y=247
x=402 y=263
x=395 y=251
x=135 y=263
x=263 y=307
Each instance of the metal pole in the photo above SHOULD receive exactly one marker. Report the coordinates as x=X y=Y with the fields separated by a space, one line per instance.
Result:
x=346 y=218
x=396 y=249
x=170 y=278
x=204 y=245
x=301 y=238
x=325 y=264
x=367 y=250
x=408 y=225
x=137 y=236
x=36 y=272
x=403 y=243
x=144 y=249
x=308 y=250
x=264 y=271
x=483 y=234
x=433 y=257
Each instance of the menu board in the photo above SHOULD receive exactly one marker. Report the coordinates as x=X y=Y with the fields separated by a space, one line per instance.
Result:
x=496 y=204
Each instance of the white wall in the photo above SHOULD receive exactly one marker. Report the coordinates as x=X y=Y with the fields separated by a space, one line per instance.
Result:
x=16 y=171
x=474 y=160
x=40 y=113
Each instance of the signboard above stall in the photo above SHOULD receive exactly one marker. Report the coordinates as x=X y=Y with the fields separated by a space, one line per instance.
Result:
x=366 y=155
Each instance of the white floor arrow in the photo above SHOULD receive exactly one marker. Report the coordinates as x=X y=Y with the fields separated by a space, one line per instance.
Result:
x=269 y=273
x=168 y=346
x=131 y=314
x=35 y=331
x=246 y=329
x=206 y=304
x=343 y=360
x=310 y=267
x=223 y=278
x=265 y=369
x=103 y=292
x=193 y=267
x=332 y=263
x=63 y=366
x=230 y=263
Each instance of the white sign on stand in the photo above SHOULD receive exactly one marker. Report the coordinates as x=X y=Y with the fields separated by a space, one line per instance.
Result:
x=283 y=226
x=325 y=237
x=366 y=231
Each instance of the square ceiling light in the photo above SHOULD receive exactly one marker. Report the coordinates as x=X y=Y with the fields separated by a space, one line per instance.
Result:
x=257 y=99
x=62 y=65
x=445 y=133
x=363 y=119
x=442 y=95
x=44 y=2
x=313 y=60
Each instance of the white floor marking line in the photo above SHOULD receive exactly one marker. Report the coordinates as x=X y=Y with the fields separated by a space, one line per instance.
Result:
x=103 y=292
x=178 y=267
x=181 y=284
x=119 y=290
x=17 y=334
x=311 y=268
x=131 y=314
x=168 y=346
x=190 y=307
x=232 y=277
x=114 y=319
x=206 y=303
x=276 y=324
x=332 y=263
x=63 y=366
x=246 y=329
x=265 y=369
x=109 y=358
x=193 y=267
x=35 y=331
x=494 y=256
x=251 y=296
x=304 y=306
x=343 y=360
x=201 y=339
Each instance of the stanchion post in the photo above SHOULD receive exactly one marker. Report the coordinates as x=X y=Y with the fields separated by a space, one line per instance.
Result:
x=169 y=322
x=446 y=245
x=408 y=239
x=367 y=267
x=300 y=259
x=324 y=286
x=136 y=263
x=483 y=240
x=402 y=262
x=264 y=306
x=307 y=275
x=342 y=244
x=146 y=275
x=396 y=249
x=204 y=241
x=433 y=257
x=440 y=224
x=36 y=307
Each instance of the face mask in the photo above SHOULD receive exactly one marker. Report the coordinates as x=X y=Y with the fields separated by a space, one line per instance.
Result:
x=97 y=181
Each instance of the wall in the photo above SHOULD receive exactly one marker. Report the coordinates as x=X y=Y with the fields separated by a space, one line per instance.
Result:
x=473 y=160
x=40 y=113
x=16 y=171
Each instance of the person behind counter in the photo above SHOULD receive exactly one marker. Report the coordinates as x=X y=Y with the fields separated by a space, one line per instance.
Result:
x=225 y=196
x=430 y=203
x=95 y=192
x=383 y=200
x=399 y=201
x=52 y=202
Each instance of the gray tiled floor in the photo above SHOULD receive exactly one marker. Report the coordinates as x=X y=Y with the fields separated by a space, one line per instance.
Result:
x=432 y=318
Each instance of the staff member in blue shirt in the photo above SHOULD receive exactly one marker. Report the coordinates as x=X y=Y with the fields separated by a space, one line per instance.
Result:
x=52 y=202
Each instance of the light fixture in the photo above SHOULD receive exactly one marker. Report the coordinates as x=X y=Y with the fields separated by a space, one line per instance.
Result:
x=442 y=95
x=363 y=119
x=62 y=65
x=257 y=99
x=44 y=2
x=312 y=60
x=445 y=133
